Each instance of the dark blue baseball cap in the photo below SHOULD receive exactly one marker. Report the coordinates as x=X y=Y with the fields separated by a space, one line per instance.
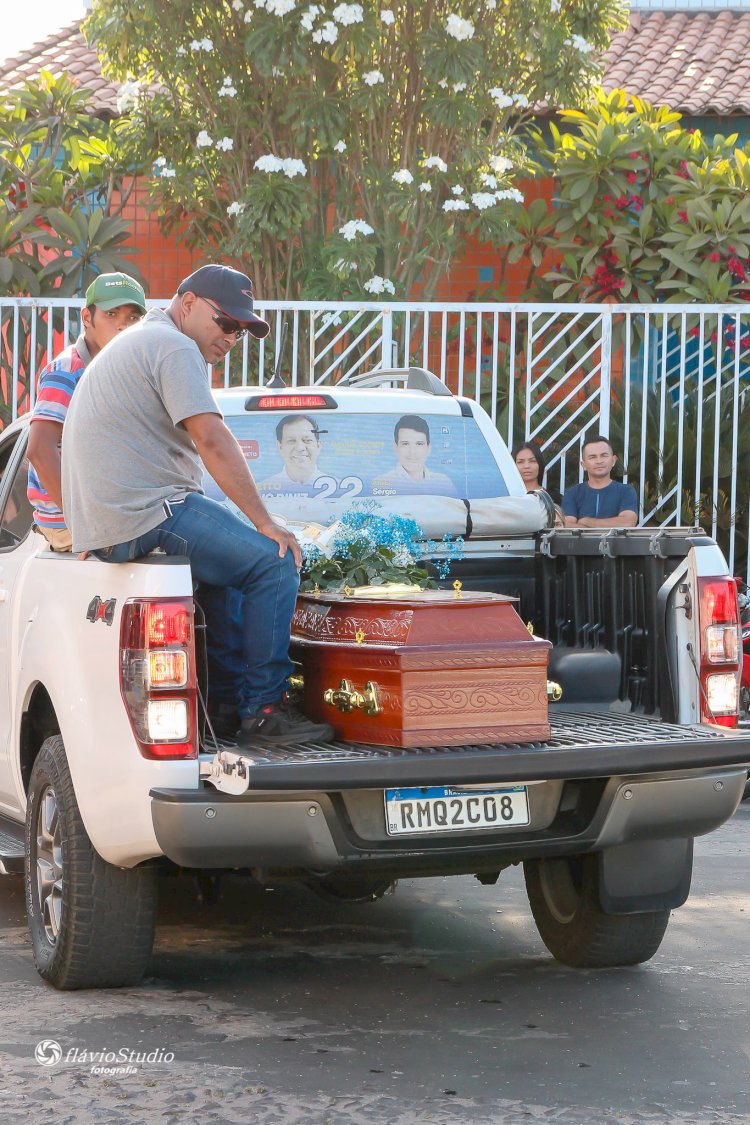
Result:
x=233 y=293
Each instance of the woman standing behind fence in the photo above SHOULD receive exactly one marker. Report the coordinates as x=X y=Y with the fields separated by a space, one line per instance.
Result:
x=531 y=465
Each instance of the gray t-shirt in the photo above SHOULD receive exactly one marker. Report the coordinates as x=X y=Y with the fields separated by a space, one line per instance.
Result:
x=124 y=451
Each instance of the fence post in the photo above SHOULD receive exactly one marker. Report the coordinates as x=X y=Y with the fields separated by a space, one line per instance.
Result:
x=605 y=390
x=386 y=346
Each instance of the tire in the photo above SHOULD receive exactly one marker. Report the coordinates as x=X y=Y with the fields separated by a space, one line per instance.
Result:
x=91 y=923
x=563 y=895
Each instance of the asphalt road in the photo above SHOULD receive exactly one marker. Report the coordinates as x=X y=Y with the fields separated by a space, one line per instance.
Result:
x=436 y=1004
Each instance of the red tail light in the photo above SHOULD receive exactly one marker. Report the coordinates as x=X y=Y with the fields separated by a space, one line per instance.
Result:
x=719 y=618
x=157 y=676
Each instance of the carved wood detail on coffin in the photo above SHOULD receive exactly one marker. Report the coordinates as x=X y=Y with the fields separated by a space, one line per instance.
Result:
x=313 y=622
x=450 y=658
x=485 y=697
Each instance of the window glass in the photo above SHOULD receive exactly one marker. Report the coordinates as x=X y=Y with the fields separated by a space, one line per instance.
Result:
x=18 y=513
x=313 y=466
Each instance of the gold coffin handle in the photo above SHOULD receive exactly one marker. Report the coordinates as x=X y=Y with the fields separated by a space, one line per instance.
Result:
x=554 y=692
x=346 y=698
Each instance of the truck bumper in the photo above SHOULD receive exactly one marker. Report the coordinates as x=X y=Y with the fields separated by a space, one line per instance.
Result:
x=316 y=831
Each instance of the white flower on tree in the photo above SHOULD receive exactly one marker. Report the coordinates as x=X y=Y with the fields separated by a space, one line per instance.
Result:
x=379 y=284
x=580 y=44
x=225 y=144
x=444 y=83
x=203 y=140
x=481 y=200
x=235 y=208
x=459 y=87
x=160 y=162
x=457 y=189
x=500 y=98
x=459 y=28
x=328 y=33
x=488 y=180
x=227 y=89
x=308 y=17
x=455 y=205
x=425 y=187
x=202 y=45
x=342 y=266
x=500 y=164
x=436 y=162
x=521 y=99
x=510 y=193
x=346 y=14
x=403 y=176
x=127 y=96
x=554 y=5
x=280 y=7
x=340 y=146
x=372 y=78
x=247 y=16
x=350 y=230
x=289 y=166
x=269 y=163
x=237 y=5
x=181 y=50
x=387 y=16
x=491 y=4
x=168 y=173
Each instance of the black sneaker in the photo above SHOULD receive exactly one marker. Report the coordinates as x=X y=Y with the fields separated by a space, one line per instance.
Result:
x=282 y=723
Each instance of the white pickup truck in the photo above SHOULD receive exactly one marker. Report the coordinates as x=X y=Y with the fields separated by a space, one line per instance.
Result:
x=109 y=774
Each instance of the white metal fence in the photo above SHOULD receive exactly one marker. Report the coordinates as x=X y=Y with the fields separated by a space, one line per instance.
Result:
x=667 y=383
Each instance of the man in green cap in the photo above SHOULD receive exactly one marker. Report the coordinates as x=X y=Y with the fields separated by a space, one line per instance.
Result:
x=114 y=301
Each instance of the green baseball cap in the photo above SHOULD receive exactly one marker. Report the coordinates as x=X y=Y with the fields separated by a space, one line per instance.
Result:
x=111 y=290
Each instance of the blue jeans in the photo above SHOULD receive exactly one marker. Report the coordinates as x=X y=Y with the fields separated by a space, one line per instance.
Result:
x=246 y=590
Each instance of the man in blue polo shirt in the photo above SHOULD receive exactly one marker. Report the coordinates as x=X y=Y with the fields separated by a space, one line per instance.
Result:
x=600 y=501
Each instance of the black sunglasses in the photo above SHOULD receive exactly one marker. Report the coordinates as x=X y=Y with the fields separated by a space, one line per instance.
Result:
x=226 y=324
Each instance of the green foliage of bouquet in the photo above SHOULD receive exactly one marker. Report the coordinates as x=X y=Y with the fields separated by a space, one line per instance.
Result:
x=368 y=549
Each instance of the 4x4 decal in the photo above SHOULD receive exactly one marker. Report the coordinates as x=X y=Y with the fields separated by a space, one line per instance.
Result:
x=101 y=611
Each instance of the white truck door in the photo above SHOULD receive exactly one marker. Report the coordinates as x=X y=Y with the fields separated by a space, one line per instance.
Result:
x=16 y=544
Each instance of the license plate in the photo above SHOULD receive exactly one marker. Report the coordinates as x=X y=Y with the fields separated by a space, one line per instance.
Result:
x=439 y=808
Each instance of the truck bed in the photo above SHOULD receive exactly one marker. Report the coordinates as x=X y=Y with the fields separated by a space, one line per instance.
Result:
x=583 y=744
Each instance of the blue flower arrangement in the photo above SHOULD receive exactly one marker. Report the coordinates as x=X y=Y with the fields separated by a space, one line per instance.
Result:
x=369 y=549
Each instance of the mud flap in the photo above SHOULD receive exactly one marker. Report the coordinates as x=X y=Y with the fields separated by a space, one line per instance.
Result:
x=647 y=875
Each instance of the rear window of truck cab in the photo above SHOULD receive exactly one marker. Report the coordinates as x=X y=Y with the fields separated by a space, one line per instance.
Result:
x=314 y=464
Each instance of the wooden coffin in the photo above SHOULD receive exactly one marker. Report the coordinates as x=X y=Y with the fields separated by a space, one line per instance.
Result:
x=428 y=668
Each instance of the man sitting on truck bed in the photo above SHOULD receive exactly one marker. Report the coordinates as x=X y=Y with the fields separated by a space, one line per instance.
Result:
x=114 y=301
x=142 y=420
x=600 y=501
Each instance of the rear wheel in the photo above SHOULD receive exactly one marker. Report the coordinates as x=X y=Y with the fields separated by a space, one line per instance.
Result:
x=564 y=900
x=91 y=923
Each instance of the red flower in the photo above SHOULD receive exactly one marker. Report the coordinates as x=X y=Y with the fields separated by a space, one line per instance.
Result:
x=682 y=216
x=607 y=198
x=634 y=156
x=631 y=177
x=731 y=249
x=669 y=199
x=637 y=202
x=714 y=256
x=608 y=213
x=621 y=202
x=736 y=268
